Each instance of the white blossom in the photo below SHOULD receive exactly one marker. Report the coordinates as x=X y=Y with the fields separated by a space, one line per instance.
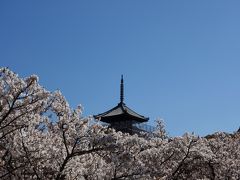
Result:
x=41 y=137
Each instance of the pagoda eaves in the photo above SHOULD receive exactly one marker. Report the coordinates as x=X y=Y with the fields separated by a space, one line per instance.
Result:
x=120 y=112
x=121 y=117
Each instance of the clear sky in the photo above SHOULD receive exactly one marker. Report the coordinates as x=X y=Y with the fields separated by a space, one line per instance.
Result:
x=180 y=59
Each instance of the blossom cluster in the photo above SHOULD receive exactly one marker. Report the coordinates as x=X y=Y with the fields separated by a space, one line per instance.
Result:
x=41 y=137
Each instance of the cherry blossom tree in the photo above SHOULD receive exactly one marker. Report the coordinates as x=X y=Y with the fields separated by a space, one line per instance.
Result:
x=225 y=162
x=21 y=103
x=42 y=137
x=160 y=130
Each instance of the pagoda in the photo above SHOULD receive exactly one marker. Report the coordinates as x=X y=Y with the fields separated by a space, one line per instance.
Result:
x=121 y=117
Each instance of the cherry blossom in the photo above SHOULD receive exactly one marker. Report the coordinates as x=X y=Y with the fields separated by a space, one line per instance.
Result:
x=42 y=137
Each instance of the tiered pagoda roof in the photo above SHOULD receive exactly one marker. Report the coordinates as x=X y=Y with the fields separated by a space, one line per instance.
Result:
x=121 y=112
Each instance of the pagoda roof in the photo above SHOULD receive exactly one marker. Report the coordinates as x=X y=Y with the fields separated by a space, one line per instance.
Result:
x=120 y=112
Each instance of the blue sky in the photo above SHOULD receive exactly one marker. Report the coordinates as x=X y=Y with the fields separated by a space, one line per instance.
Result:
x=180 y=59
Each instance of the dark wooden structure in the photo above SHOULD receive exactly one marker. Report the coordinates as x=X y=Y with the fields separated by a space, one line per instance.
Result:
x=121 y=117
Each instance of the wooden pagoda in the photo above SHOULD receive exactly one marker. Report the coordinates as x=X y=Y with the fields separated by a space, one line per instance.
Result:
x=121 y=117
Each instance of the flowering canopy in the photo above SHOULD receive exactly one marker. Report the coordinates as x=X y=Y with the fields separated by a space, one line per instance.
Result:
x=41 y=137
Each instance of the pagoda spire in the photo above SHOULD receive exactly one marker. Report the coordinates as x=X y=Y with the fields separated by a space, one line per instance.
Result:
x=121 y=90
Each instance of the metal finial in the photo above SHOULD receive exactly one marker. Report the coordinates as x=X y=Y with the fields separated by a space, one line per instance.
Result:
x=122 y=90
